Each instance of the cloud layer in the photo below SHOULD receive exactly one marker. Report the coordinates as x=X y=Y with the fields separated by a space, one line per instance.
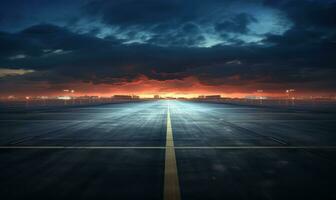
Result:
x=245 y=45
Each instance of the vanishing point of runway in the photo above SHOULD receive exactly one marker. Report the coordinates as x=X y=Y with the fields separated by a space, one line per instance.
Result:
x=167 y=149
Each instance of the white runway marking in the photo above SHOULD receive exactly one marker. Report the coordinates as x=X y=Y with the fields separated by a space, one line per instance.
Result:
x=109 y=120
x=80 y=147
x=162 y=147
x=256 y=147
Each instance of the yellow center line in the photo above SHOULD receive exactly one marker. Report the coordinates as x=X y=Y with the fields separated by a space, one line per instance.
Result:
x=171 y=180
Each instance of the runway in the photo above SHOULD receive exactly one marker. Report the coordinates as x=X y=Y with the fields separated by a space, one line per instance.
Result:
x=167 y=149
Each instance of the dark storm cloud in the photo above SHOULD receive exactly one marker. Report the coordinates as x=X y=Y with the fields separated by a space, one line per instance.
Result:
x=18 y=14
x=148 y=21
x=188 y=34
x=149 y=12
x=141 y=12
x=104 y=61
x=237 y=23
x=183 y=23
x=219 y=42
x=308 y=14
x=38 y=40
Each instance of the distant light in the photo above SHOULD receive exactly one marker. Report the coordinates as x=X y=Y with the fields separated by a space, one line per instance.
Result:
x=64 y=97
x=66 y=90
x=27 y=98
x=72 y=91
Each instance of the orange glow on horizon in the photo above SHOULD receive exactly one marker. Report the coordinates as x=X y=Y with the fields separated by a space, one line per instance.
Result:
x=189 y=87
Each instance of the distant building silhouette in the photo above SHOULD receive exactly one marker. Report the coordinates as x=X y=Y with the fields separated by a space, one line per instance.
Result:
x=122 y=97
x=213 y=97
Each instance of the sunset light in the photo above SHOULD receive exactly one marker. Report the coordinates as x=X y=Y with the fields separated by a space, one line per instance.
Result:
x=167 y=99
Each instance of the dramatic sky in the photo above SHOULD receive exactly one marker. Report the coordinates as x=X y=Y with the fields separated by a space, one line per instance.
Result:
x=181 y=47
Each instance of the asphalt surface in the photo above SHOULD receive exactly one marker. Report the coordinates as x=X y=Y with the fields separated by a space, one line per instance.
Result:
x=119 y=151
